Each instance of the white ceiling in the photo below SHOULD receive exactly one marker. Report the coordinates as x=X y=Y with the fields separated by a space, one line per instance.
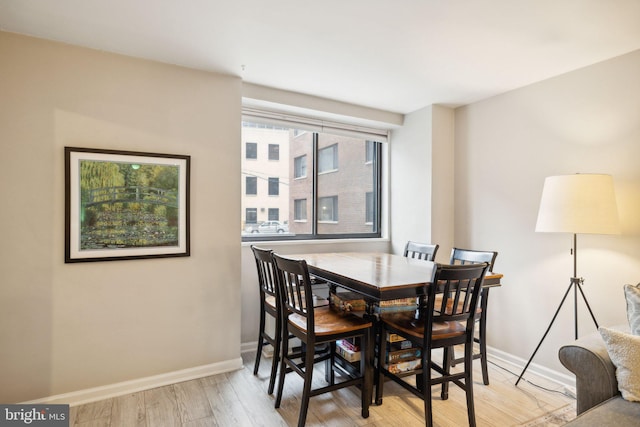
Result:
x=394 y=55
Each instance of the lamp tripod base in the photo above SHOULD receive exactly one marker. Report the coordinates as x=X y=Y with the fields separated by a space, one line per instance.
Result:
x=576 y=285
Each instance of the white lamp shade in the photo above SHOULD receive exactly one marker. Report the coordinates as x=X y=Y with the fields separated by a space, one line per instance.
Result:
x=580 y=203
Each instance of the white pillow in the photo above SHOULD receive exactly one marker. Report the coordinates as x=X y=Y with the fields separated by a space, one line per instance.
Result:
x=624 y=351
x=632 y=296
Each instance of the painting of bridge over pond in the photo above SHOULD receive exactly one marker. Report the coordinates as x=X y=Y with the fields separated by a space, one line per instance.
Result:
x=124 y=205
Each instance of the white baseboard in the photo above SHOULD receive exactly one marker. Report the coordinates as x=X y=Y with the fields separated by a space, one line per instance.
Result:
x=247 y=347
x=507 y=360
x=267 y=350
x=516 y=365
x=118 y=389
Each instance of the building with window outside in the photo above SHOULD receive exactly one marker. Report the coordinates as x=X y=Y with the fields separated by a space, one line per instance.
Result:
x=265 y=165
x=278 y=181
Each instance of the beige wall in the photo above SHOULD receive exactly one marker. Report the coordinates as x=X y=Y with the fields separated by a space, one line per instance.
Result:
x=584 y=121
x=422 y=180
x=410 y=166
x=67 y=327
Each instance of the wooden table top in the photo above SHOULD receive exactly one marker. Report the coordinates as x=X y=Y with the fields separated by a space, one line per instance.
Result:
x=377 y=276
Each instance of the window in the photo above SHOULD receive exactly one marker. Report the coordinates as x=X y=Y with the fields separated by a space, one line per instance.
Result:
x=370 y=151
x=251 y=186
x=300 y=167
x=274 y=152
x=251 y=150
x=328 y=159
x=274 y=186
x=369 y=208
x=328 y=209
x=251 y=215
x=305 y=189
x=300 y=210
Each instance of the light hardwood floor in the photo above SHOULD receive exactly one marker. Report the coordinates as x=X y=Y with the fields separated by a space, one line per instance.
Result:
x=240 y=399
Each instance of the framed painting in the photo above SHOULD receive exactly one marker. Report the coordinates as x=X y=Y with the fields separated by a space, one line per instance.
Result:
x=125 y=205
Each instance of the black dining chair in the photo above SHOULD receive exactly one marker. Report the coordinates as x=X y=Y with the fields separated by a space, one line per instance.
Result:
x=468 y=256
x=316 y=327
x=269 y=305
x=449 y=323
x=418 y=250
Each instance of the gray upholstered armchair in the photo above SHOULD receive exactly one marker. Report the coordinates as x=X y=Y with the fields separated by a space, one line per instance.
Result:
x=599 y=402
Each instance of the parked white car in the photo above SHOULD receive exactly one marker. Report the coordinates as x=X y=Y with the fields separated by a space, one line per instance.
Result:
x=251 y=227
x=273 y=227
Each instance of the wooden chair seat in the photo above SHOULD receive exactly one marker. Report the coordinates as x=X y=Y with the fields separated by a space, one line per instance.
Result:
x=271 y=302
x=329 y=322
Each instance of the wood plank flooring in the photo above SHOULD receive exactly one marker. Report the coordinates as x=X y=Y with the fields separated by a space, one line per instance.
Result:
x=240 y=399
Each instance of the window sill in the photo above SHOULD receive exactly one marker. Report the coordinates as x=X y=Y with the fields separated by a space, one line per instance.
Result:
x=318 y=241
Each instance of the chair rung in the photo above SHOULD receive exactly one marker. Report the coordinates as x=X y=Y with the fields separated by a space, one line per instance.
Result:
x=450 y=378
x=461 y=359
x=337 y=386
x=398 y=380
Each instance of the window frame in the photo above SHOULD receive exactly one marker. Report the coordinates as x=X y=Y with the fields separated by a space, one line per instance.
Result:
x=369 y=208
x=254 y=150
x=369 y=153
x=254 y=186
x=274 y=186
x=334 y=209
x=312 y=198
x=246 y=215
x=273 y=152
x=273 y=212
x=296 y=203
x=295 y=168
x=335 y=165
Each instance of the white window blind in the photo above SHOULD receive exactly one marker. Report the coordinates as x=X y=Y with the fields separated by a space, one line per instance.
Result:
x=314 y=125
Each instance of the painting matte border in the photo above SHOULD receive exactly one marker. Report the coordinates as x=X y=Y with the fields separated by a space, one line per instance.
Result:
x=143 y=197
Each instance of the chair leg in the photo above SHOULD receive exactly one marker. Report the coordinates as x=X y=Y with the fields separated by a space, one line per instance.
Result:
x=256 y=366
x=468 y=383
x=366 y=370
x=483 y=336
x=283 y=363
x=306 y=390
x=446 y=367
x=382 y=354
x=426 y=391
x=332 y=361
x=452 y=357
x=276 y=355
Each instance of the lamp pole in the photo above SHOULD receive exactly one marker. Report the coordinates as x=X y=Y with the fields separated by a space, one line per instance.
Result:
x=575 y=283
x=578 y=282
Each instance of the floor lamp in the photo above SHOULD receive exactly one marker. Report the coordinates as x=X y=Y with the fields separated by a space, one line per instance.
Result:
x=576 y=204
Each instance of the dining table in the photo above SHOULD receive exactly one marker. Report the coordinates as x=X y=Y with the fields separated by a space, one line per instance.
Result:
x=377 y=276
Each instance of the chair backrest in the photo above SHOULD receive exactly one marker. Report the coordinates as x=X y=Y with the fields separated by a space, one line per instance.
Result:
x=295 y=287
x=267 y=279
x=420 y=251
x=459 y=287
x=469 y=256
